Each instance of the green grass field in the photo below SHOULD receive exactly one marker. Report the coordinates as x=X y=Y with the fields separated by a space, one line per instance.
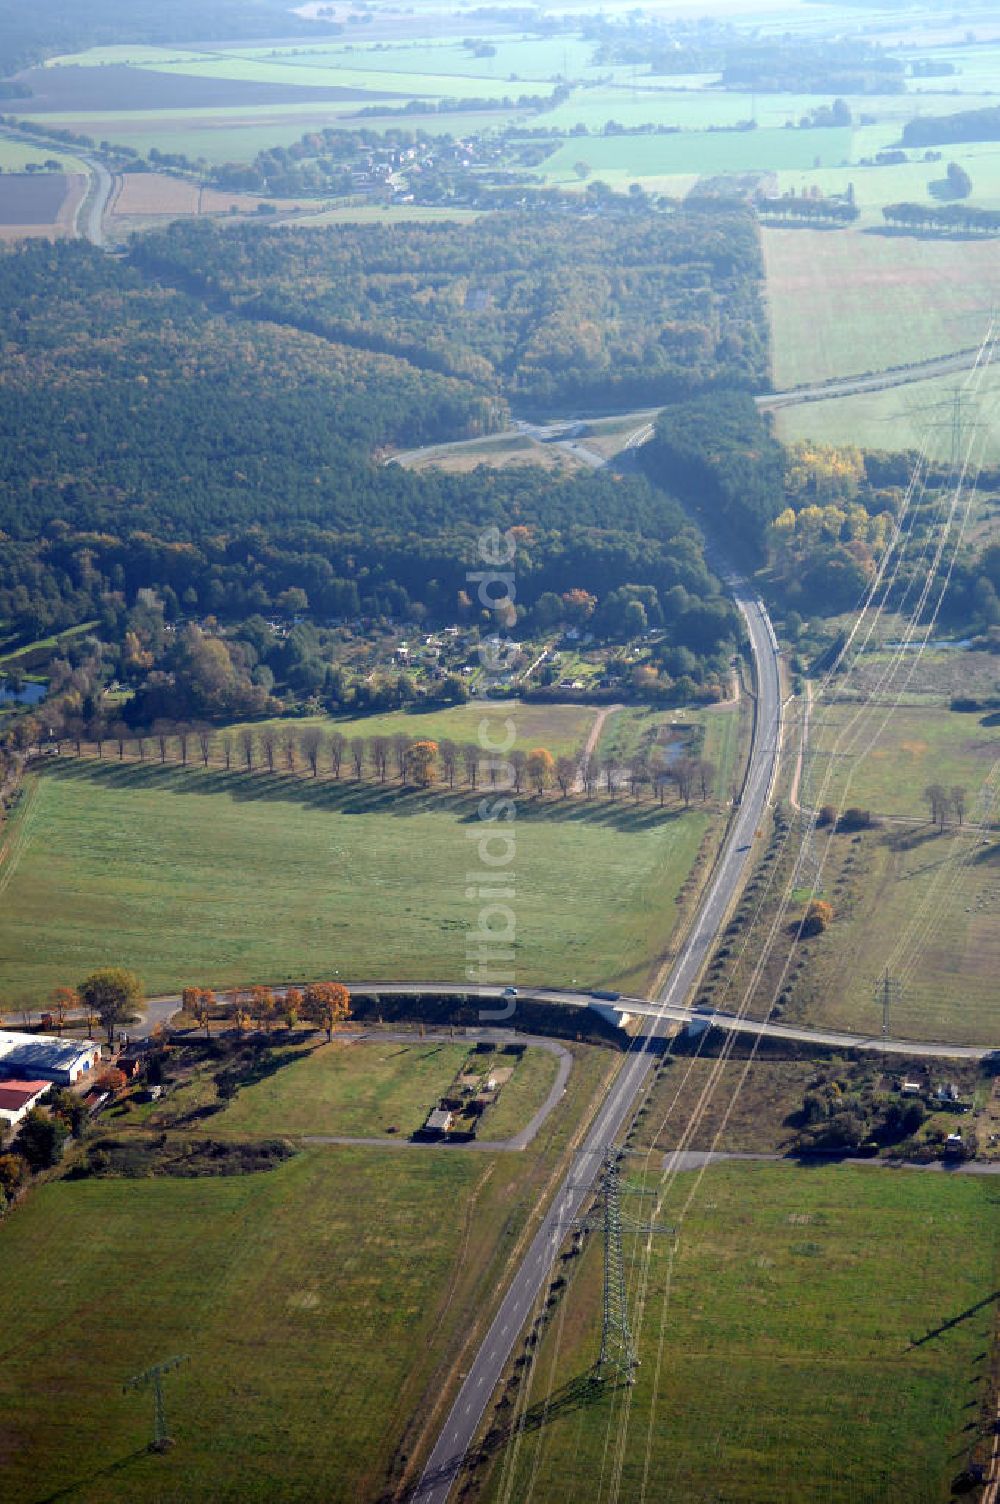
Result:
x=883 y=759
x=846 y=302
x=780 y=1361
x=344 y=73
x=909 y=181
x=193 y=877
x=560 y=728
x=319 y=1305
x=927 y=907
x=637 y=157
x=902 y=417
x=15 y=156
x=258 y=1280
x=695 y=106
x=355 y=1088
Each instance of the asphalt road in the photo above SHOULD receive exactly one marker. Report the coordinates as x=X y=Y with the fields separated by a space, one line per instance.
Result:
x=88 y=223
x=562 y=435
x=876 y=381
x=160 y=1010
x=90 y=215
x=535 y=1270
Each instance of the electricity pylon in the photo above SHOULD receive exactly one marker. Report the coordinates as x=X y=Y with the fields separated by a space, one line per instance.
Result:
x=152 y=1378
x=619 y=1355
x=888 y=990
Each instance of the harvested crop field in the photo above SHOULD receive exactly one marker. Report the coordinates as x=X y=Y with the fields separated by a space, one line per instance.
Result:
x=42 y=203
x=153 y=193
x=83 y=89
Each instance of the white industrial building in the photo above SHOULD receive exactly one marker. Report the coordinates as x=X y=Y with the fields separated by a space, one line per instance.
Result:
x=44 y=1057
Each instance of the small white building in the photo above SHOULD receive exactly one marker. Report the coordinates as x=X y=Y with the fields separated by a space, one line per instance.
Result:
x=438 y=1121
x=45 y=1057
x=17 y=1098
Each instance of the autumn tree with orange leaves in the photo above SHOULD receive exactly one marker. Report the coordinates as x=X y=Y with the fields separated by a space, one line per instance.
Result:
x=326 y=1004
x=64 y=1000
x=541 y=766
x=261 y=1005
x=291 y=1007
x=198 y=1003
x=421 y=762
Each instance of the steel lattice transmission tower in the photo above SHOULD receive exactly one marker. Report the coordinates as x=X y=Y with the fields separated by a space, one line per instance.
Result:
x=618 y=1350
x=152 y=1378
x=888 y=990
x=619 y=1355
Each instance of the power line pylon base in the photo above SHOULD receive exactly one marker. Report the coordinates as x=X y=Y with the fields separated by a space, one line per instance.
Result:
x=619 y=1357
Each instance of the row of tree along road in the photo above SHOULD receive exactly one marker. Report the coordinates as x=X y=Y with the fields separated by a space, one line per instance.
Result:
x=414 y=761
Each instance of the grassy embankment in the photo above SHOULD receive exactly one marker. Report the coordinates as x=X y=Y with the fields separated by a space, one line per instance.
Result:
x=779 y=1361
x=319 y=1304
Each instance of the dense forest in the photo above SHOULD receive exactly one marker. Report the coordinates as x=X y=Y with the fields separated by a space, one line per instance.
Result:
x=601 y=312
x=964 y=125
x=720 y=456
x=170 y=462
x=48 y=27
x=774 y=64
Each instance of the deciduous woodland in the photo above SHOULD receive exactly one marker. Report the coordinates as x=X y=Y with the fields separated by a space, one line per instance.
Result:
x=51 y=26
x=208 y=421
x=604 y=311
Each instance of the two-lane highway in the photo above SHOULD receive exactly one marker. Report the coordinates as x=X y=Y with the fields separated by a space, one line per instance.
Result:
x=532 y=1276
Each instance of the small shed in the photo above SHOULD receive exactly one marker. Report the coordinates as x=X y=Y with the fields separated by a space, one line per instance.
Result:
x=17 y=1098
x=439 y=1121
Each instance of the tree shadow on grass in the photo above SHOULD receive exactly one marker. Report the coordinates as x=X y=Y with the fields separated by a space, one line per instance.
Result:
x=71 y=1490
x=256 y=1062
x=348 y=796
x=954 y=1321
